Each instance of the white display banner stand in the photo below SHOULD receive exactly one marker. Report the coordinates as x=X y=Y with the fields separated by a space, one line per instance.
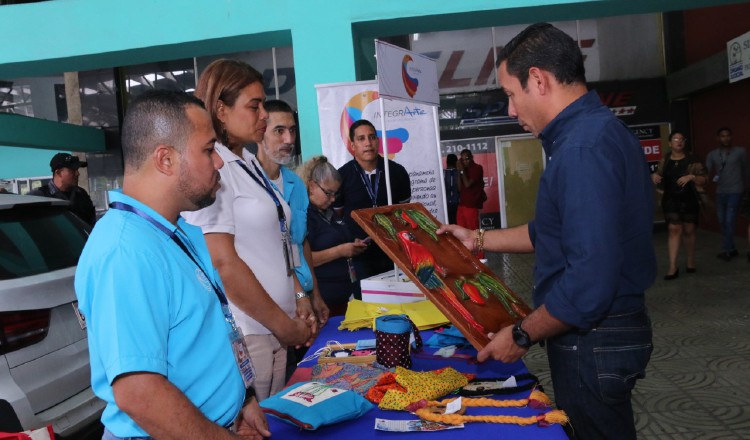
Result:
x=410 y=134
x=409 y=77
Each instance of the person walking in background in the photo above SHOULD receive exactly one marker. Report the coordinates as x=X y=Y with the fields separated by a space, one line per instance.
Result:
x=166 y=356
x=331 y=240
x=728 y=165
x=471 y=190
x=450 y=177
x=363 y=186
x=681 y=175
x=64 y=186
x=592 y=265
x=247 y=228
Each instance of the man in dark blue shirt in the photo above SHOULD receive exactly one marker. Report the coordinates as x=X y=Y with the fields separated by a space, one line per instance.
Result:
x=591 y=236
x=363 y=186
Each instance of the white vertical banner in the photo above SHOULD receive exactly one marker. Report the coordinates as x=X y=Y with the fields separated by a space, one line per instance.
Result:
x=339 y=106
x=410 y=132
x=407 y=75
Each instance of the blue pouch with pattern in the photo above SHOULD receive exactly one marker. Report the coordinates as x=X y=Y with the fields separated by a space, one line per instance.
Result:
x=310 y=405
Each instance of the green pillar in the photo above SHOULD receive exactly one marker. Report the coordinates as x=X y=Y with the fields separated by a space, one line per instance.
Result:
x=323 y=54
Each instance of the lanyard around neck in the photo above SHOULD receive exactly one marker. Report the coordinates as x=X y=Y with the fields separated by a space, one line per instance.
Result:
x=176 y=238
x=372 y=189
x=266 y=185
x=724 y=158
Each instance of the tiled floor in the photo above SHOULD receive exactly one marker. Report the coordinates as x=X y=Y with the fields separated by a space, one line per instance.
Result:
x=698 y=380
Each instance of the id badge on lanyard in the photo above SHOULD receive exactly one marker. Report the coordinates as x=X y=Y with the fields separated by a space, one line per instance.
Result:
x=241 y=353
x=286 y=239
x=286 y=243
x=352 y=271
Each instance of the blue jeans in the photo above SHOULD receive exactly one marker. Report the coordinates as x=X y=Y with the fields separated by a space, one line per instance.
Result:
x=726 y=211
x=594 y=372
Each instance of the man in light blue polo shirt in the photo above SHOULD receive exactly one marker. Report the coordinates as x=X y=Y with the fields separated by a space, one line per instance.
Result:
x=161 y=355
x=276 y=151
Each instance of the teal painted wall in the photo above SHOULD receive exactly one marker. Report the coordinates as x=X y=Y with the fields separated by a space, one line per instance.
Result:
x=24 y=131
x=327 y=36
x=17 y=162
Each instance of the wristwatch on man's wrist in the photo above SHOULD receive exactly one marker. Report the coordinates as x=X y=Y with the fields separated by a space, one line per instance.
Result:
x=520 y=337
x=300 y=295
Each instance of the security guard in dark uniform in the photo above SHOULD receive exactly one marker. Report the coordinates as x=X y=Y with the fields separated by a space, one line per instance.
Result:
x=64 y=186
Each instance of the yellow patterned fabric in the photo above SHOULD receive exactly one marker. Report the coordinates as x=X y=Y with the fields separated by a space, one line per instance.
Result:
x=428 y=385
x=360 y=314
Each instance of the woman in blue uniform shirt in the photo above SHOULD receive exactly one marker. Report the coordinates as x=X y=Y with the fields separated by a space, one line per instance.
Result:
x=332 y=242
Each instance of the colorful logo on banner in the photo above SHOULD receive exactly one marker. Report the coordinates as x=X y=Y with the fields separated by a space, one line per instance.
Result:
x=410 y=83
x=353 y=112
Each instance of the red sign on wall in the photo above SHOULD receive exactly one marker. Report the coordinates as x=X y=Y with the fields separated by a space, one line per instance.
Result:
x=652 y=149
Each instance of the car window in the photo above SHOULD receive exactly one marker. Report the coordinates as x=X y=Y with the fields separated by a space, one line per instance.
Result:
x=36 y=239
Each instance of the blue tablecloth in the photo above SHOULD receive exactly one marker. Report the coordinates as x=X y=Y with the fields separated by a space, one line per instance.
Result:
x=363 y=428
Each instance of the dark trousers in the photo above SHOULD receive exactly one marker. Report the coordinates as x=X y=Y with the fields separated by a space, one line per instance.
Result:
x=452 y=210
x=594 y=372
x=726 y=211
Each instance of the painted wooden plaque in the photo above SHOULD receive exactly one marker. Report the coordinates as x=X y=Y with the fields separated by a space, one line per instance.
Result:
x=473 y=298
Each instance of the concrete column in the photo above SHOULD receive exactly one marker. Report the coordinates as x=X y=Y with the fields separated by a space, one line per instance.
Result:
x=323 y=54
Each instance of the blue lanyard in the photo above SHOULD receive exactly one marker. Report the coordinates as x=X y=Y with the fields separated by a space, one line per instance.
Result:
x=372 y=191
x=171 y=234
x=267 y=186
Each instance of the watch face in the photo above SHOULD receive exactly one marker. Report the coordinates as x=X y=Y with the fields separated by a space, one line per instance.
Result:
x=520 y=337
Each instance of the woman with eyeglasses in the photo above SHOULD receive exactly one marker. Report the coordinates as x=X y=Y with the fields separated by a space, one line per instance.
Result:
x=682 y=176
x=331 y=240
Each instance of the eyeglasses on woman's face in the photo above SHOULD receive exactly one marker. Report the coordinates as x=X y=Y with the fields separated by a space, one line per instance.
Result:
x=330 y=194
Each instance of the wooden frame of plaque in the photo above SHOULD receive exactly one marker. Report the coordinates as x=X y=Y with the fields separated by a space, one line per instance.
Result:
x=501 y=306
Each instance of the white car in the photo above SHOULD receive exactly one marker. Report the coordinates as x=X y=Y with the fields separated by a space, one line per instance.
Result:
x=44 y=357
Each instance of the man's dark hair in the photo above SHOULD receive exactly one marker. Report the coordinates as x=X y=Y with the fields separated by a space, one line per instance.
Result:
x=467 y=151
x=451 y=159
x=718 y=132
x=544 y=46
x=277 y=106
x=358 y=124
x=156 y=117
